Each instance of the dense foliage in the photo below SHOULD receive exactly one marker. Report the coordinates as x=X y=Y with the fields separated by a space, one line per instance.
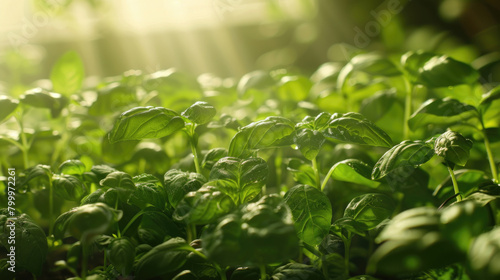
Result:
x=380 y=168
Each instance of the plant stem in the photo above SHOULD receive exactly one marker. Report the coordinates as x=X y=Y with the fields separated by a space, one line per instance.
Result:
x=263 y=274
x=51 y=205
x=221 y=272
x=132 y=221
x=24 y=142
x=493 y=167
x=347 y=248
x=191 y=232
x=117 y=226
x=316 y=172
x=408 y=108
x=455 y=184
x=327 y=177
x=84 y=261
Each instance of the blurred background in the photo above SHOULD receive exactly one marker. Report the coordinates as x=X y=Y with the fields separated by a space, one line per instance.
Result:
x=232 y=37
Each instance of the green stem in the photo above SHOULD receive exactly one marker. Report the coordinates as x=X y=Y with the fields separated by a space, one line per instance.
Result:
x=221 y=272
x=263 y=274
x=24 y=142
x=347 y=250
x=327 y=177
x=51 y=205
x=192 y=135
x=316 y=172
x=191 y=232
x=132 y=221
x=493 y=166
x=84 y=261
x=455 y=184
x=117 y=226
x=408 y=108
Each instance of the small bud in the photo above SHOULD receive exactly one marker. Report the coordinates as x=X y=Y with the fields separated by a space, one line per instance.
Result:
x=453 y=147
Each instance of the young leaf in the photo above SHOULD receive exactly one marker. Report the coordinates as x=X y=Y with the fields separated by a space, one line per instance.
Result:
x=294 y=88
x=445 y=112
x=179 y=183
x=212 y=156
x=483 y=250
x=121 y=254
x=67 y=74
x=302 y=173
x=312 y=213
x=72 y=167
x=200 y=112
x=145 y=122
x=354 y=128
x=204 y=206
x=30 y=242
x=148 y=194
x=309 y=142
x=155 y=226
x=271 y=132
x=370 y=209
x=120 y=181
x=258 y=233
x=353 y=171
x=377 y=106
x=69 y=187
x=488 y=97
x=112 y=98
x=162 y=259
x=443 y=71
x=41 y=98
x=86 y=222
x=257 y=80
x=453 y=147
x=7 y=106
x=406 y=153
x=41 y=173
x=368 y=63
x=248 y=175
x=297 y=271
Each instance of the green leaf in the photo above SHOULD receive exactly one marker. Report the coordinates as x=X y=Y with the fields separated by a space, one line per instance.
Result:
x=249 y=176
x=309 y=142
x=488 y=97
x=483 y=253
x=453 y=147
x=258 y=233
x=312 y=213
x=463 y=222
x=121 y=254
x=7 y=106
x=355 y=128
x=67 y=74
x=294 y=88
x=297 y=271
x=72 y=167
x=204 y=206
x=406 y=153
x=148 y=194
x=200 y=112
x=444 y=112
x=112 y=98
x=155 y=226
x=179 y=183
x=30 y=242
x=353 y=171
x=120 y=181
x=145 y=122
x=41 y=98
x=443 y=71
x=257 y=80
x=41 y=174
x=268 y=133
x=212 y=156
x=162 y=259
x=377 y=105
x=350 y=225
x=369 y=63
x=302 y=173
x=86 y=222
x=69 y=187
x=370 y=209
x=413 y=61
